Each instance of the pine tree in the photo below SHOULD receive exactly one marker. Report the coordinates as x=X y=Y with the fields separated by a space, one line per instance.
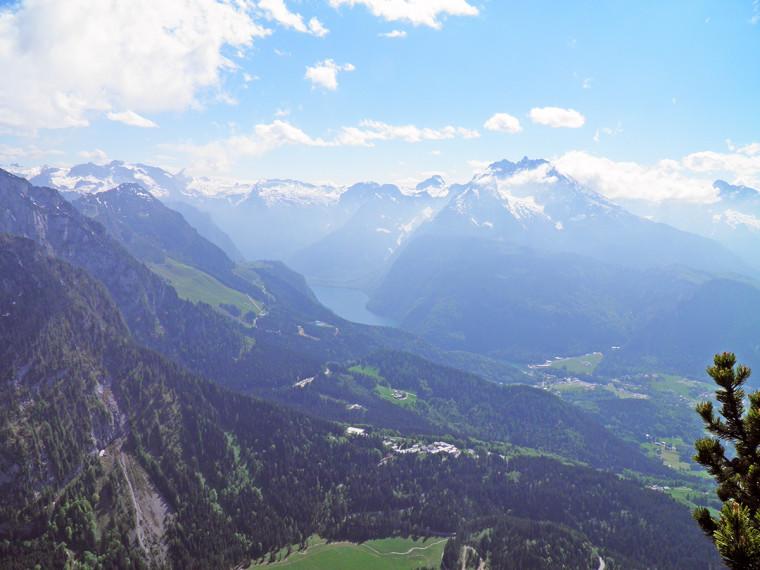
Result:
x=736 y=532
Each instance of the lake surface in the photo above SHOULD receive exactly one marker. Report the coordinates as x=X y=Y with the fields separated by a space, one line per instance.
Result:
x=351 y=304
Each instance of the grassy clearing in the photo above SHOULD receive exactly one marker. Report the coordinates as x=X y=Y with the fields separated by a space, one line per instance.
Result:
x=370 y=371
x=385 y=554
x=399 y=397
x=195 y=285
x=585 y=364
x=685 y=388
x=669 y=457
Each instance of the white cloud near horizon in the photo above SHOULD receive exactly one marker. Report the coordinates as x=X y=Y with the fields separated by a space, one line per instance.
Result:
x=370 y=131
x=97 y=156
x=71 y=60
x=627 y=180
x=13 y=154
x=325 y=73
x=416 y=12
x=557 y=117
x=503 y=123
x=689 y=179
x=132 y=119
x=277 y=10
x=221 y=155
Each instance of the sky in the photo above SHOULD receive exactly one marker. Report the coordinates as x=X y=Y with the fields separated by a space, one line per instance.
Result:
x=646 y=99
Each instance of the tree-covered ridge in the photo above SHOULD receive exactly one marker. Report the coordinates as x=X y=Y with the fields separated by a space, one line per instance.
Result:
x=163 y=467
x=152 y=232
x=507 y=541
x=443 y=400
x=193 y=334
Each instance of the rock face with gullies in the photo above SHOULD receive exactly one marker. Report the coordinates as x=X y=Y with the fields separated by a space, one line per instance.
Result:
x=58 y=408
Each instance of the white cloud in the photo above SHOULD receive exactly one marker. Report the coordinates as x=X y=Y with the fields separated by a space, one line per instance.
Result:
x=503 y=123
x=557 y=117
x=664 y=180
x=607 y=131
x=70 y=60
x=132 y=119
x=688 y=179
x=743 y=165
x=370 y=131
x=12 y=154
x=735 y=219
x=325 y=74
x=479 y=166
x=97 y=155
x=393 y=34
x=532 y=176
x=277 y=10
x=416 y=12
x=221 y=155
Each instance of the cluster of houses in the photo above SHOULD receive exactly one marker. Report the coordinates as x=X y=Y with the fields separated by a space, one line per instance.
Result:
x=399 y=395
x=663 y=444
x=432 y=448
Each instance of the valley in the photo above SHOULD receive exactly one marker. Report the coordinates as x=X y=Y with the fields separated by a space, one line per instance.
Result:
x=413 y=427
x=379 y=284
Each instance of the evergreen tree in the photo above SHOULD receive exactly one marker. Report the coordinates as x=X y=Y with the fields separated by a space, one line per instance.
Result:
x=736 y=532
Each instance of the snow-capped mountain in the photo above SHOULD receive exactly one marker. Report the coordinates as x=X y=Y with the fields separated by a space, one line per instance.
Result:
x=90 y=178
x=529 y=203
x=525 y=197
x=350 y=234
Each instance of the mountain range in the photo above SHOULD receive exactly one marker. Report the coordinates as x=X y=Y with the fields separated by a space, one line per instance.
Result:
x=130 y=437
x=494 y=265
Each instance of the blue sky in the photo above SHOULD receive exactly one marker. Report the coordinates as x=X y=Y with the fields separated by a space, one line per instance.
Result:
x=231 y=97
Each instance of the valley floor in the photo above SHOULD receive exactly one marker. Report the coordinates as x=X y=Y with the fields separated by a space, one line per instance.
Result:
x=385 y=554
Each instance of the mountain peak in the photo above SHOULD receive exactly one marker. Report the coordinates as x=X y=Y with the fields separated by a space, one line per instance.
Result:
x=735 y=192
x=435 y=181
x=507 y=167
x=131 y=189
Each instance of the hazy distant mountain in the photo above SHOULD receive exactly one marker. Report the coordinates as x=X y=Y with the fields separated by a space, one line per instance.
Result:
x=524 y=263
x=523 y=304
x=382 y=221
x=733 y=219
x=351 y=235
x=529 y=203
x=331 y=233
x=206 y=226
